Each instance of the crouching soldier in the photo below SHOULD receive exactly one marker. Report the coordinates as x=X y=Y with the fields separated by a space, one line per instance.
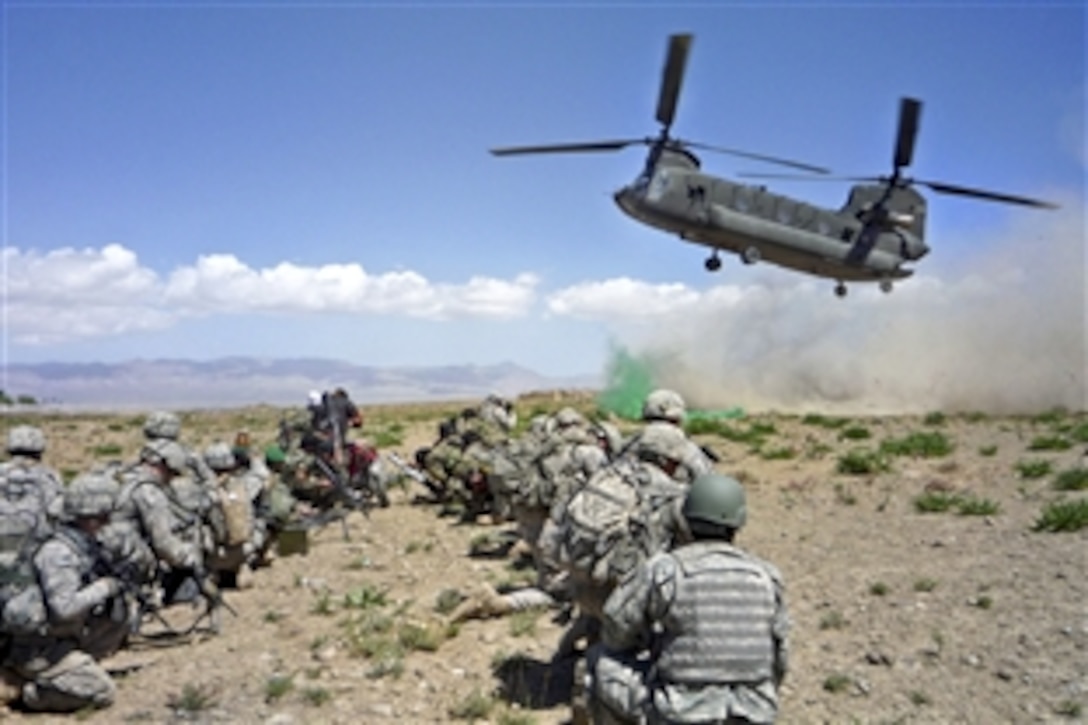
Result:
x=236 y=533
x=76 y=615
x=697 y=634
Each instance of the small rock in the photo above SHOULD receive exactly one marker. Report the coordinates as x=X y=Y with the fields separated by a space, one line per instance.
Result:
x=280 y=718
x=1004 y=674
x=875 y=657
x=862 y=687
x=325 y=654
x=971 y=660
x=457 y=672
x=381 y=709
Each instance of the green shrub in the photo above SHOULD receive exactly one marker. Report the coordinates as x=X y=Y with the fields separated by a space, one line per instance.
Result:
x=277 y=686
x=1062 y=516
x=824 y=421
x=1034 y=468
x=934 y=418
x=837 y=682
x=106 y=450
x=861 y=462
x=1049 y=443
x=1073 y=479
x=930 y=444
x=854 y=433
x=935 y=502
x=971 y=506
x=987 y=451
x=474 y=706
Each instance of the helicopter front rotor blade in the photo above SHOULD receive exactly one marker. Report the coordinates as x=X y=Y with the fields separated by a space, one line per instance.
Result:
x=672 y=76
x=755 y=157
x=584 y=146
x=944 y=188
x=910 y=111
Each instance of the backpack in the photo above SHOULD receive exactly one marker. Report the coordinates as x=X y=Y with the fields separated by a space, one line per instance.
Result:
x=232 y=513
x=613 y=522
x=24 y=527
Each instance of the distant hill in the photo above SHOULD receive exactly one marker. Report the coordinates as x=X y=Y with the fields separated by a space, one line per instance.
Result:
x=236 y=381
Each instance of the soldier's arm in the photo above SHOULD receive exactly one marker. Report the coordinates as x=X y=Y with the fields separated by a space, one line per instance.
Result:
x=169 y=547
x=636 y=603
x=62 y=584
x=780 y=628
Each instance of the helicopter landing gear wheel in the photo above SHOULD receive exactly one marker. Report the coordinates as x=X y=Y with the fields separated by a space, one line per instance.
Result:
x=840 y=290
x=750 y=255
x=885 y=286
x=713 y=263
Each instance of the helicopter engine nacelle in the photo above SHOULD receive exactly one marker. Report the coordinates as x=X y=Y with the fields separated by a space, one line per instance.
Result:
x=900 y=219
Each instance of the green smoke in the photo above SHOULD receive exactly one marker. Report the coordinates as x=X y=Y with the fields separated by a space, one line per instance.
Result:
x=628 y=380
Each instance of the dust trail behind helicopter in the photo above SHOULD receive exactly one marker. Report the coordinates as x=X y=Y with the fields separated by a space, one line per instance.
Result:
x=1003 y=332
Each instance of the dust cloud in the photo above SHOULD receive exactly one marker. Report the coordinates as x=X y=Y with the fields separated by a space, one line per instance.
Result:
x=1004 y=331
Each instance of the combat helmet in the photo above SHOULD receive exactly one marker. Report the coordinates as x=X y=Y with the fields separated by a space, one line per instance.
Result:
x=567 y=417
x=715 y=503
x=162 y=424
x=661 y=441
x=663 y=404
x=89 y=495
x=167 y=452
x=220 y=457
x=26 y=439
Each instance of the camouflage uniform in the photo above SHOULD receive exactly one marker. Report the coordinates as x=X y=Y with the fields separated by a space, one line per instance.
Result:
x=145 y=507
x=242 y=488
x=86 y=616
x=164 y=425
x=26 y=444
x=714 y=619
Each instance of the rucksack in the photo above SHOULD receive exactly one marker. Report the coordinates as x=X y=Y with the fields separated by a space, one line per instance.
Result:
x=614 y=521
x=24 y=527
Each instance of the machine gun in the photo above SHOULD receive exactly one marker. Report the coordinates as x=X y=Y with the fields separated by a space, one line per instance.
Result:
x=343 y=496
x=416 y=475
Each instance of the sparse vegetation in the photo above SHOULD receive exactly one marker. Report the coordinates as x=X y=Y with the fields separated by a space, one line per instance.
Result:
x=934 y=418
x=988 y=450
x=837 y=682
x=277 y=686
x=316 y=696
x=1034 y=468
x=929 y=444
x=107 y=450
x=474 y=706
x=448 y=600
x=833 y=620
x=879 y=589
x=523 y=623
x=854 y=433
x=1062 y=516
x=420 y=637
x=844 y=495
x=964 y=505
x=824 y=421
x=1049 y=443
x=862 y=462
x=971 y=506
x=1072 y=479
x=194 y=699
x=925 y=584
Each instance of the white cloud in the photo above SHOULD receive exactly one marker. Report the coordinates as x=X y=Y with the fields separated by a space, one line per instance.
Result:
x=622 y=298
x=77 y=293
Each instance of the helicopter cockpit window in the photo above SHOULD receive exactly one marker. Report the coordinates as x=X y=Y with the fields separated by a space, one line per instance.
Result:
x=659 y=185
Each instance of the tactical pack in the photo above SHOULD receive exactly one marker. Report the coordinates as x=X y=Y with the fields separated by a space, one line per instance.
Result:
x=232 y=515
x=24 y=526
x=619 y=517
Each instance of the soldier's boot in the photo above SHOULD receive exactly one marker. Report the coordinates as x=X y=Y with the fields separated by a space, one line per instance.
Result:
x=11 y=688
x=486 y=603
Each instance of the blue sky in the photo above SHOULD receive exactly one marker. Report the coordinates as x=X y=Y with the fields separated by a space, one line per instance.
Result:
x=276 y=179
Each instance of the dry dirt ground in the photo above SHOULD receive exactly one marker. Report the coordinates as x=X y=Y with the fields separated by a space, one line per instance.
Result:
x=899 y=616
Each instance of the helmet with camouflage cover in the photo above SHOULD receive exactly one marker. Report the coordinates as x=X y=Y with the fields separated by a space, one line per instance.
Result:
x=220 y=457
x=162 y=424
x=715 y=502
x=608 y=434
x=567 y=417
x=166 y=452
x=89 y=495
x=26 y=439
x=662 y=404
x=661 y=440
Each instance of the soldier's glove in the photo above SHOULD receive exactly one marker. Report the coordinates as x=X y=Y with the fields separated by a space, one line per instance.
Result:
x=105 y=588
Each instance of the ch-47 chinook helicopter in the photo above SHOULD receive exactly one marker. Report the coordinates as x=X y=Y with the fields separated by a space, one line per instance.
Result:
x=880 y=229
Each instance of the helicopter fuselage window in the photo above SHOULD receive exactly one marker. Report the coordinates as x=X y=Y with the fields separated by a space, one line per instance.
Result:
x=847 y=234
x=659 y=185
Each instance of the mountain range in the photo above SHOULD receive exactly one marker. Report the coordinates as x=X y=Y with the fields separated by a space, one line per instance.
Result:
x=241 y=381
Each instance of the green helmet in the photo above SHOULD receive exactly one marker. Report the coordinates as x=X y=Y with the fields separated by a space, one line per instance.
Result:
x=716 y=500
x=274 y=454
x=90 y=494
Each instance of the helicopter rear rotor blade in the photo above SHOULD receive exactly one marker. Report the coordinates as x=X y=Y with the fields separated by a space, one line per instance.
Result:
x=577 y=147
x=910 y=111
x=943 y=188
x=672 y=77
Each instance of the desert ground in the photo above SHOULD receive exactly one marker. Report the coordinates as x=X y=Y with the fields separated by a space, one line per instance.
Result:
x=968 y=611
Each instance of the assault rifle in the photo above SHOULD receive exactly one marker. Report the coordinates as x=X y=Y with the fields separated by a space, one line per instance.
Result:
x=416 y=475
x=343 y=495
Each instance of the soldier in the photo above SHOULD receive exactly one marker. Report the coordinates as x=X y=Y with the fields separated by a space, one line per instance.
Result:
x=26 y=471
x=667 y=407
x=81 y=614
x=712 y=619
x=164 y=425
x=146 y=506
x=499 y=411
x=237 y=534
